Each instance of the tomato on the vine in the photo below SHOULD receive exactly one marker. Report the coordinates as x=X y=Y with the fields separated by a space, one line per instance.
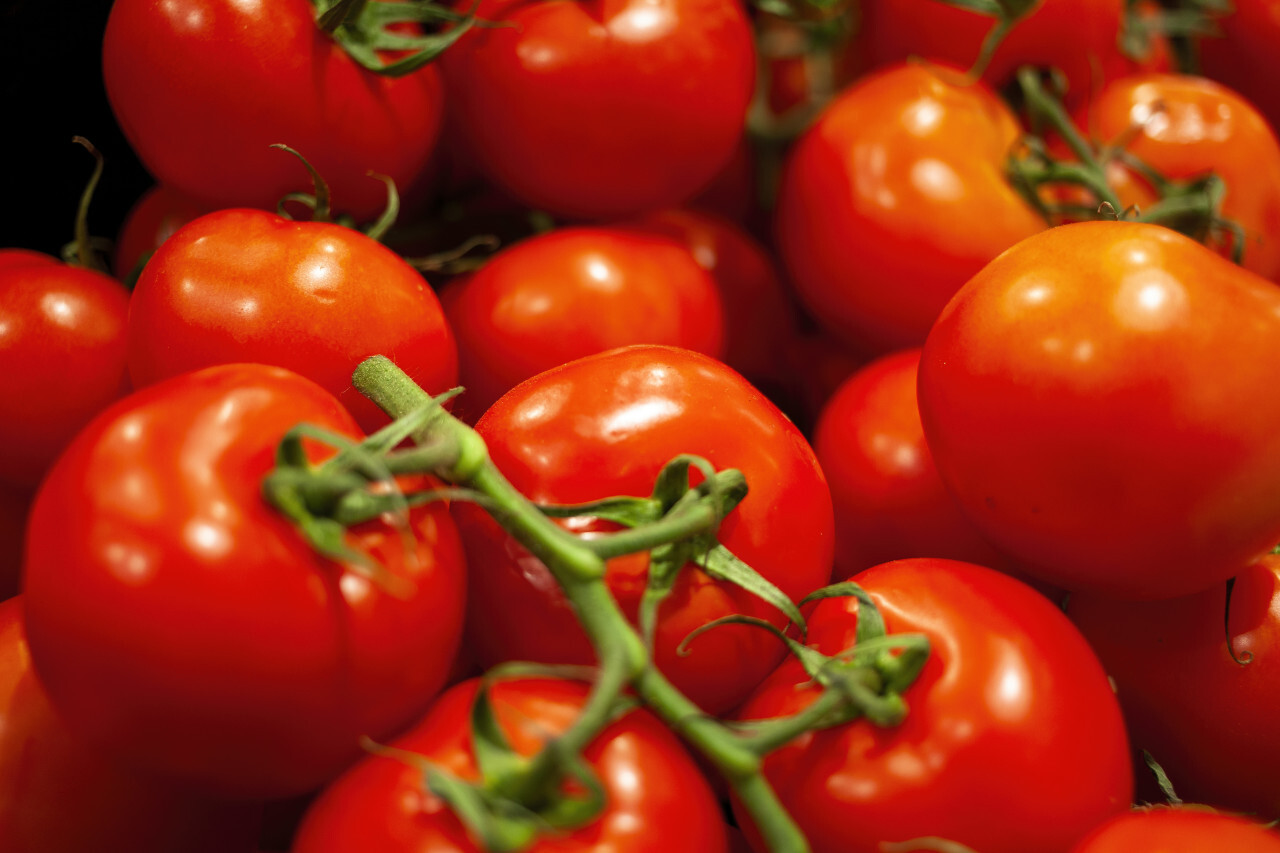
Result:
x=1179 y=830
x=184 y=626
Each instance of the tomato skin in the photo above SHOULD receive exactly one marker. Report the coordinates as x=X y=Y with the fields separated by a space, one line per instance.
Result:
x=655 y=793
x=1074 y=398
x=1208 y=720
x=575 y=292
x=62 y=357
x=1012 y=715
x=314 y=297
x=894 y=197
x=201 y=88
x=184 y=626
x=1179 y=830
x=571 y=108
x=44 y=772
x=605 y=425
x=156 y=217
x=889 y=500
x=1187 y=127
x=1244 y=57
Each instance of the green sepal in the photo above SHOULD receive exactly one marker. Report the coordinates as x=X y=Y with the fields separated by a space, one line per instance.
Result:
x=870 y=621
x=811 y=659
x=720 y=563
x=622 y=509
x=497 y=826
x=364 y=31
x=1162 y=779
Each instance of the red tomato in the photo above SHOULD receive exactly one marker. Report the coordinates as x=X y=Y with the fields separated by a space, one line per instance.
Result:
x=184 y=625
x=1207 y=719
x=655 y=795
x=154 y=218
x=576 y=292
x=1099 y=401
x=1179 y=830
x=317 y=298
x=605 y=108
x=58 y=796
x=1244 y=57
x=894 y=198
x=1013 y=741
x=889 y=500
x=202 y=88
x=14 y=506
x=605 y=425
x=1185 y=127
x=62 y=357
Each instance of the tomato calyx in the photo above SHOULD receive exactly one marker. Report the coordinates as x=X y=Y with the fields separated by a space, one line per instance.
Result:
x=83 y=251
x=1192 y=207
x=369 y=29
x=1007 y=14
x=318 y=202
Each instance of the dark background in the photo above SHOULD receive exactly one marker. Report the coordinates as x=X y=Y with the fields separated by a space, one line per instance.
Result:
x=51 y=90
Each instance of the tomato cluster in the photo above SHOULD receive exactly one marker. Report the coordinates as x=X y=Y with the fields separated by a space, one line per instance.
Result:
x=866 y=438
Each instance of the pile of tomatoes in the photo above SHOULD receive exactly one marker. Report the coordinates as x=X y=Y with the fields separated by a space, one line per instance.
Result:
x=986 y=325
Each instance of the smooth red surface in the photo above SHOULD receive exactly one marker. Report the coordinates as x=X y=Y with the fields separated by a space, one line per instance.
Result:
x=1099 y=400
x=893 y=198
x=202 y=88
x=1207 y=719
x=154 y=219
x=655 y=795
x=605 y=425
x=1179 y=830
x=604 y=108
x=62 y=357
x=184 y=625
x=575 y=292
x=889 y=500
x=317 y=298
x=1013 y=740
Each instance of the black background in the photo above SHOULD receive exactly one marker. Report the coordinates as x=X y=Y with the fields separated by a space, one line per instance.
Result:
x=51 y=90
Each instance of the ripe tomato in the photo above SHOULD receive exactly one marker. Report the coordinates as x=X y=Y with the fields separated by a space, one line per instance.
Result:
x=14 y=506
x=894 y=198
x=1244 y=56
x=576 y=292
x=58 y=796
x=655 y=795
x=184 y=626
x=604 y=108
x=1098 y=400
x=154 y=218
x=605 y=425
x=201 y=88
x=889 y=500
x=317 y=298
x=1185 y=127
x=1011 y=717
x=62 y=357
x=1207 y=719
x=1179 y=830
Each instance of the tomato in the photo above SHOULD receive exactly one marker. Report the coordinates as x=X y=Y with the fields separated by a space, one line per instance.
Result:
x=14 y=506
x=606 y=108
x=894 y=197
x=1179 y=830
x=1244 y=56
x=575 y=292
x=1012 y=717
x=1097 y=399
x=201 y=88
x=605 y=425
x=154 y=218
x=1185 y=127
x=889 y=500
x=655 y=795
x=57 y=796
x=1207 y=719
x=317 y=298
x=183 y=625
x=62 y=357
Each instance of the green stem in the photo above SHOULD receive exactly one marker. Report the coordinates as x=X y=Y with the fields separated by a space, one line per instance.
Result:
x=84 y=254
x=700 y=518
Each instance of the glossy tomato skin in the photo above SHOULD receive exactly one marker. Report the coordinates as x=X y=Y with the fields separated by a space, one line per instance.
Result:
x=1186 y=127
x=62 y=357
x=575 y=292
x=317 y=298
x=202 y=88
x=893 y=198
x=607 y=108
x=1244 y=56
x=58 y=796
x=1097 y=400
x=1011 y=716
x=183 y=625
x=655 y=795
x=605 y=425
x=1179 y=830
x=889 y=501
x=156 y=217
x=1207 y=719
